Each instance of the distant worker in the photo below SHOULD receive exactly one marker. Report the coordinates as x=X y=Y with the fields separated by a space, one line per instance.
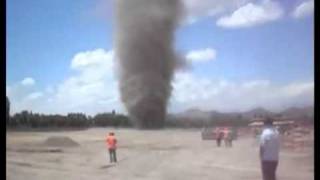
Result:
x=269 y=150
x=112 y=147
x=219 y=134
x=255 y=133
x=234 y=132
x=256 y=137
x=225 y=134
x=228 y=138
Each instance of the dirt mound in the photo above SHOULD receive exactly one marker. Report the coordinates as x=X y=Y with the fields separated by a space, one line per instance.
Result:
x=37 y=150
x=60 y=141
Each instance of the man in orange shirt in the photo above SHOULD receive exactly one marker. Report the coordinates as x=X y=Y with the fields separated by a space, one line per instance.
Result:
x=112 y=146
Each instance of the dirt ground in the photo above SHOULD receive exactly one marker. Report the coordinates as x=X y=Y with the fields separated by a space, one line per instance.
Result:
x=163 y=154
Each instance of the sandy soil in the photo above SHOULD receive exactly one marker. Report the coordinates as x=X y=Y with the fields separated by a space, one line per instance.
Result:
x=165 y=154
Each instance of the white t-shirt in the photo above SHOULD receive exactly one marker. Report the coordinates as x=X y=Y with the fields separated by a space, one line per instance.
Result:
x=270 y=142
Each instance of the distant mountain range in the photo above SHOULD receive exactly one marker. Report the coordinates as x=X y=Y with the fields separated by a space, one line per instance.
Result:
x=292 y=112
x=299 y=112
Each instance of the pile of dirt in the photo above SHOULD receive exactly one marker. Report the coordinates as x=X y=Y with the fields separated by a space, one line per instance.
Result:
x=60 y=141
x=36 y=150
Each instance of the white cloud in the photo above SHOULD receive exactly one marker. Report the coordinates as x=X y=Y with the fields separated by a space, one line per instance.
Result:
x=34 y=95
x=94 y=83
x=304 y=9
x=8 y=89
x=206 y=94
x=251 y=15
x=196 y=9
x=93 y=88
x=94 y=58
x=256 y=83
x=49 y=89
x=296 y=89
x=24 y=98
x=28 y=81
x=201 y=55
x=19 y=91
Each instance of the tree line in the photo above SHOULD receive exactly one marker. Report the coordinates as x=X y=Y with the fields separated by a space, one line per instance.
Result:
x=28 y=119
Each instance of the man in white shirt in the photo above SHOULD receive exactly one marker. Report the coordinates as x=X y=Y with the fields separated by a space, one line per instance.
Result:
x=269 y=150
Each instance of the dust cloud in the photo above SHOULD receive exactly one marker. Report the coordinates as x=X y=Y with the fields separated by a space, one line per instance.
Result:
x=144 y=36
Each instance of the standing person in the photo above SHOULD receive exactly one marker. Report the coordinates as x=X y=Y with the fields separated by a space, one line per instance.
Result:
x=112 y=146
x=230 y=138
x=227 y=138
x=219 y=137
x=234 y=133
x=256 y=133
x=256 y=137
x=269 y=150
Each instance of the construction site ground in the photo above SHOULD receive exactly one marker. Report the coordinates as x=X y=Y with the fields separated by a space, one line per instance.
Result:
x=169 y=154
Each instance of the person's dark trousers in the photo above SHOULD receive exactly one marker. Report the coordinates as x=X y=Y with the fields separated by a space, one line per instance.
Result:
x=269 y=170
x=113 y=155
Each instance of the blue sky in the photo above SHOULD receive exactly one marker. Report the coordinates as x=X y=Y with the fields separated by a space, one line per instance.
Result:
x=281 y=51
x=238 y=50
x=47 y=34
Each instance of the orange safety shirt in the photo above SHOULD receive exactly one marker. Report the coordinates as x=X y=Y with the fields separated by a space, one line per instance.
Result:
x=111 y=142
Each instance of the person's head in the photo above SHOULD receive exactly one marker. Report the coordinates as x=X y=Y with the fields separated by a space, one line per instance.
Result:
x=268 y=122
x=111 y=133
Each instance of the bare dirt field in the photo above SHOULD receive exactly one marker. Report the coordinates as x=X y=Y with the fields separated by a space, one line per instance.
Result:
x=163 y=154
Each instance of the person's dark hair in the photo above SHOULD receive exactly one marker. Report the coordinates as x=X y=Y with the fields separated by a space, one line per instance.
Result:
x=268 y=122
x=111 y=133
